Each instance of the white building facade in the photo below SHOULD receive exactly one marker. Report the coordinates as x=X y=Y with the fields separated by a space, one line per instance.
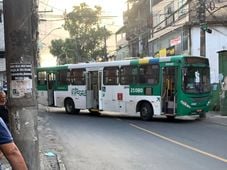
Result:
x=176 y=30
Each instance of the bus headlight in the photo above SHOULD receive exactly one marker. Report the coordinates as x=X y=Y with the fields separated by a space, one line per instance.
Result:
x=184 y=103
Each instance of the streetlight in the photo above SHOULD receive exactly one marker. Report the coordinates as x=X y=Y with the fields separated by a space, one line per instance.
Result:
x=49 y=33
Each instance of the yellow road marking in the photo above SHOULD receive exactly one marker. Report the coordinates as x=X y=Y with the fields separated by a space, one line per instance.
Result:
x=181 y=144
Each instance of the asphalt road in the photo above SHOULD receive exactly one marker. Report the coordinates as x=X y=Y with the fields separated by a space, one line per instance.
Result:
x=88 y=142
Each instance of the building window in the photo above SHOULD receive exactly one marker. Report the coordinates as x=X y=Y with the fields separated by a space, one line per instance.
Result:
x=156 y=18
x=1 y=15
x=169 y=14
x=185 y=40
x=182 y=10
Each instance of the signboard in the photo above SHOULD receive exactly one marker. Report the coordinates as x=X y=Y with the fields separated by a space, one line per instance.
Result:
x=170 y=51
x=162 y=52
x=175 y=41
x=21 y=80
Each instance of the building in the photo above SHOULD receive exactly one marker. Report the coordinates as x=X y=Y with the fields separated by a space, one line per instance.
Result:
x=122 y=50
x=164 y=28
x=137 y=25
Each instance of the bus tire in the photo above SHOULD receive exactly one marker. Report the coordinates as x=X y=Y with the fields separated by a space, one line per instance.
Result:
x=202 y=116
x=146 y=111
x=69 y=106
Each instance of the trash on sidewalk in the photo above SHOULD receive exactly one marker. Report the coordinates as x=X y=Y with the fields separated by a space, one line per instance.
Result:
x=50 y=154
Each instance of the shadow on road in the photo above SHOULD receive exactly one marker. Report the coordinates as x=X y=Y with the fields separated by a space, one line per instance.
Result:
x=85 y=113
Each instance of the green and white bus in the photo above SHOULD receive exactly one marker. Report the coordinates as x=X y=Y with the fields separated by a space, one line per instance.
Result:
x=175 y=86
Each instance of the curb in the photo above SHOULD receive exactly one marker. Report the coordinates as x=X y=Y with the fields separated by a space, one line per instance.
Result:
x=217 y=119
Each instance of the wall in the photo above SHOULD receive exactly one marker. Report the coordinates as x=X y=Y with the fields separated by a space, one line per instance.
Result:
x=216 y=41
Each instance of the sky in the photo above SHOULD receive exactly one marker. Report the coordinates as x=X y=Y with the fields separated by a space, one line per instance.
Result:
x=113 y=8
x=48 y=30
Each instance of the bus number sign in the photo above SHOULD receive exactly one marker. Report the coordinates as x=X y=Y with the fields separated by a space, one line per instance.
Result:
x=136 y=91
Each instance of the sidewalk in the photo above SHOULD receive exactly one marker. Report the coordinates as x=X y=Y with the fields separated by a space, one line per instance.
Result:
x=49 y=146
x=216 y=117
x=50 y=149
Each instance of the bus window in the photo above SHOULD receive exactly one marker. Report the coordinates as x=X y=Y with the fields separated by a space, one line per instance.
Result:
x=78 y=77
x=111 y=76
x=42 y=79
x=149 y=74
x=196 y=79
x=129 y=75
x=62 y=77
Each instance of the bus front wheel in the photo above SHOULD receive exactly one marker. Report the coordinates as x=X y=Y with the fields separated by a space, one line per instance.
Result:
x=70 y=106
x=146 y=111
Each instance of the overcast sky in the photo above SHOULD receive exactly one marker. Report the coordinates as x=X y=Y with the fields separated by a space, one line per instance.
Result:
x=110 y=7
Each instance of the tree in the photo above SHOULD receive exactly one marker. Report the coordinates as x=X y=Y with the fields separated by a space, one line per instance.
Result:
x=87 y=36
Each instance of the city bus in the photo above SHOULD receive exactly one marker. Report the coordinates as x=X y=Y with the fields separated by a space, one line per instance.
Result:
x=176 y=86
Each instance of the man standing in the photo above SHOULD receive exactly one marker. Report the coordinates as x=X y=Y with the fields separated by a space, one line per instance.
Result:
x=9 y=149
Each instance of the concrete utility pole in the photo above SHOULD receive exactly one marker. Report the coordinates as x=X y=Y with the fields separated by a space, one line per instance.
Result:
x=201 y=11
x=21 y=23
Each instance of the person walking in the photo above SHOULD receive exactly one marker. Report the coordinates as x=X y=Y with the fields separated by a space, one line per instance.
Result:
x=9 y=149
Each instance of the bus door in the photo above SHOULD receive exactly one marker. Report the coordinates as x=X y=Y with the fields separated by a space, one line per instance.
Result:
x=93 y=89
x=100 y=95
x=169 y=89
x=51 y=80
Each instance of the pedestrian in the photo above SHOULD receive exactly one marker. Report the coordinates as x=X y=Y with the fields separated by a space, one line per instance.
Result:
x=9 y=148
x=3 y=109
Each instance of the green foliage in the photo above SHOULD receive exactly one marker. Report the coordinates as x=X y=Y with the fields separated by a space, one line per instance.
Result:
x=86 y=40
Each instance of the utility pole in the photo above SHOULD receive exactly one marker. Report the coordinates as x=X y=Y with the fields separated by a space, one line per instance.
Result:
x=21 y=23
x=201 y=11
x=105 y=46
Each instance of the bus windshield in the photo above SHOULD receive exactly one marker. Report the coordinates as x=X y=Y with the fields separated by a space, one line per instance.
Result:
x=196 y=79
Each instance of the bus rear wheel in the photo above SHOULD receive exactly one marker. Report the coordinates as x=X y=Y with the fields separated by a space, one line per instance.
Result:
x=70 y=107
x=146 y=111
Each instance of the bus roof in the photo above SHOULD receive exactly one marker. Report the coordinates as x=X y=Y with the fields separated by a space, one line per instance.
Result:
x=138 y=61
x=59 y=67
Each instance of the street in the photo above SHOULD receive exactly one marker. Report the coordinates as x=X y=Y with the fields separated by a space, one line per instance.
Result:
x=88 y=142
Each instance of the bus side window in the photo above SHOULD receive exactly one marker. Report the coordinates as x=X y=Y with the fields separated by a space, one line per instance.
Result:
x=149 y=74
x=111 y=76
x=42 y=80
x=125 y=76
x=62 y=77
x=78 y=77
x=129 y=75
